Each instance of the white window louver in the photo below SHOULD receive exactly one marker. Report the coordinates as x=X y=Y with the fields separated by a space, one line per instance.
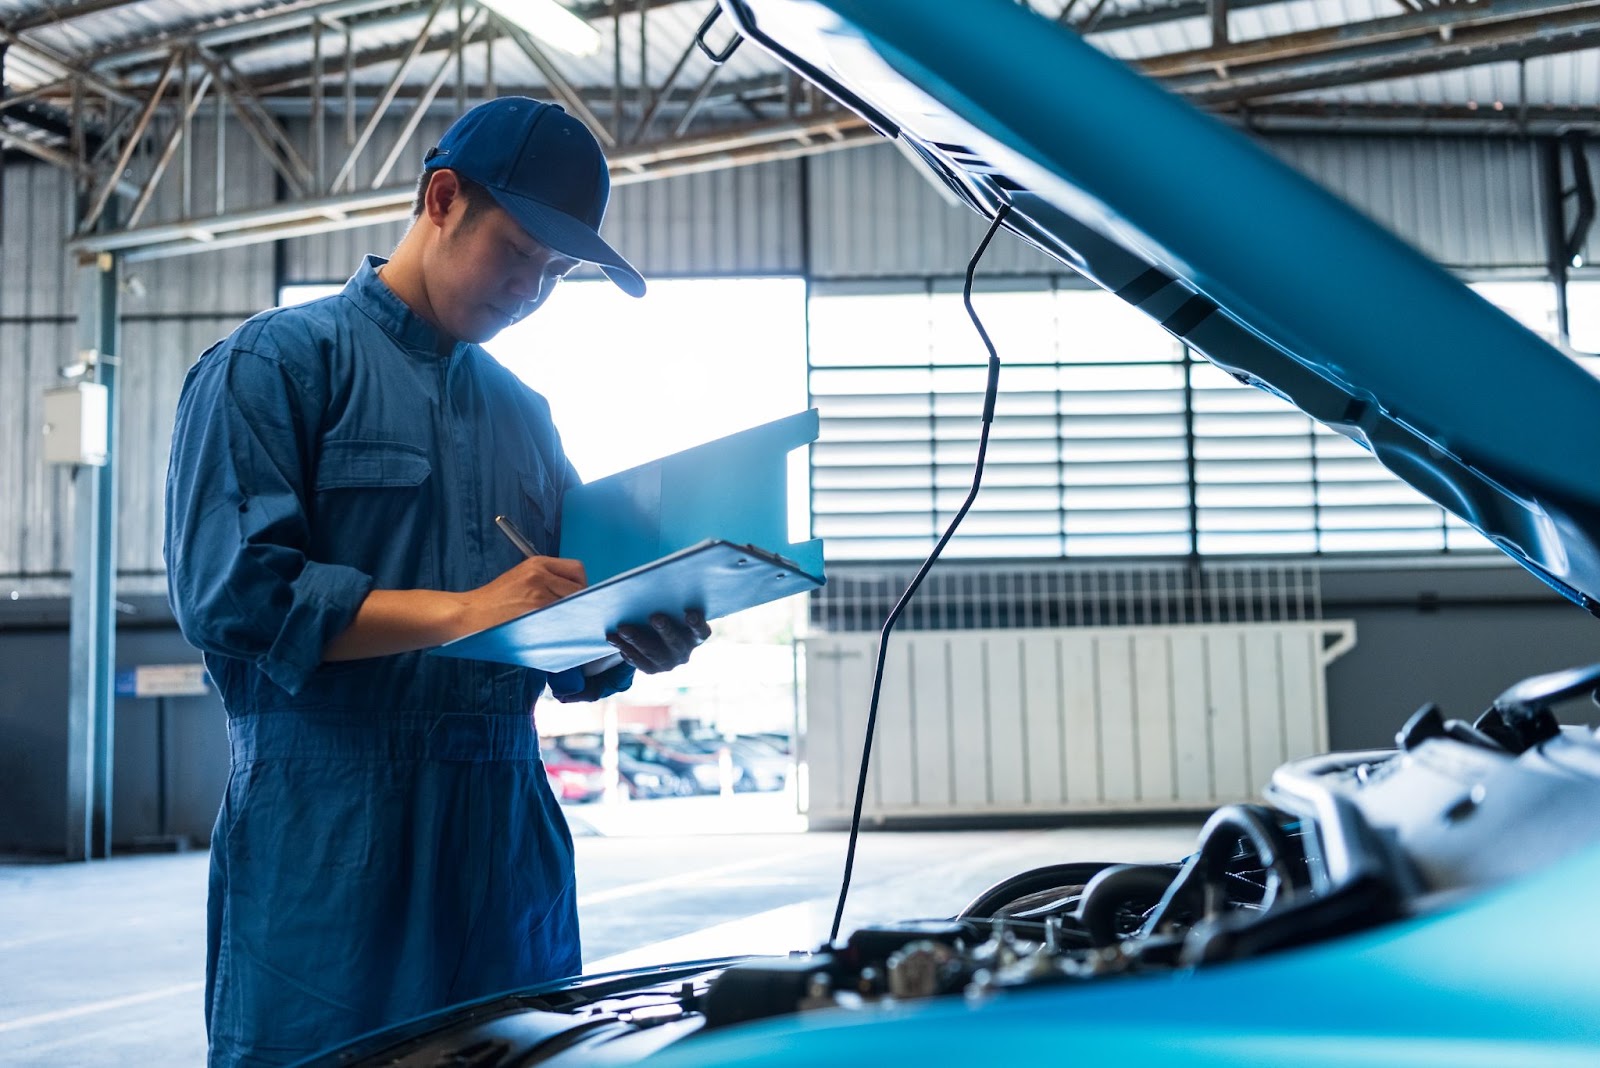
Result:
x=1110 y=439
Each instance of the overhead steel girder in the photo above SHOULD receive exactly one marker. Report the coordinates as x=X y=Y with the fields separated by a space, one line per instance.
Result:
x=1424 y=42
x=58 y=158
x=281 y=26
x=276 y=26
x=733 y=147
x=388 y=97
x=765 y=88
x=1483 y=120
x=146 y=114
x=1451 y=37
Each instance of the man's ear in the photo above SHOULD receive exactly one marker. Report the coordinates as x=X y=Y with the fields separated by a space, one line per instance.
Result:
x=443 y=195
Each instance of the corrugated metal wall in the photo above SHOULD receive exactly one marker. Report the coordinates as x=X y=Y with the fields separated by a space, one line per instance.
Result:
x=744 y=221
x=172 y=310
x=1468 y=203
x=874 y=215
x=37 y=335
x=37 y=281
x=35 y=500
x=741 y=221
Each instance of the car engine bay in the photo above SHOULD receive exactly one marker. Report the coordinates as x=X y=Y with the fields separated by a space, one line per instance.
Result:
x=1343 y=843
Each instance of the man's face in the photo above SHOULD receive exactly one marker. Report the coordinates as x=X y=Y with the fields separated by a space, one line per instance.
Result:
x=487 y=273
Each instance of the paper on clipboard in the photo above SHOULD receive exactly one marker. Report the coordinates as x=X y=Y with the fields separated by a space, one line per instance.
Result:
x=704 y=528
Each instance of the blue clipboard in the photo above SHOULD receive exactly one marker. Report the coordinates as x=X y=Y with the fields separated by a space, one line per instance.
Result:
x=717 y=577
x=704 y=528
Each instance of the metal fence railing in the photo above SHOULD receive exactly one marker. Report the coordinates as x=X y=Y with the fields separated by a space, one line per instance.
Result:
x=1007 y=597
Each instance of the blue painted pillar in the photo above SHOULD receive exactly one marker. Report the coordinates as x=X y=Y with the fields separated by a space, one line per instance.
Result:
x=90 y=706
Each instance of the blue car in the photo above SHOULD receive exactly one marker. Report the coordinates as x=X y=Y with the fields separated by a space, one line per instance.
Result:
x=1430 y=904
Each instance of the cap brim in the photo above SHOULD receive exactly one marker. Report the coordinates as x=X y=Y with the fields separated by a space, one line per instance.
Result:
x=570 y=237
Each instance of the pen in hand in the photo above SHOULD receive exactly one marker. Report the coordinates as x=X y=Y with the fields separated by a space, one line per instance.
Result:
x=509 y=529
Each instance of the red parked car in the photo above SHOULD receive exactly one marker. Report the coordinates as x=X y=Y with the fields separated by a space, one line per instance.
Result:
x=571 y=779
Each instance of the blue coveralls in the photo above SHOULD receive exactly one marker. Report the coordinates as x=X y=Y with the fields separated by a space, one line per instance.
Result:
x=388 y=843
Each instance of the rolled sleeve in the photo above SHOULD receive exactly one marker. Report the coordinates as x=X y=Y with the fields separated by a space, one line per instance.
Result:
x=325 y=600
x=239 y=578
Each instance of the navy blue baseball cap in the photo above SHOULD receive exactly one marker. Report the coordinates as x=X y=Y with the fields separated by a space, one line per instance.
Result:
x=546 y=170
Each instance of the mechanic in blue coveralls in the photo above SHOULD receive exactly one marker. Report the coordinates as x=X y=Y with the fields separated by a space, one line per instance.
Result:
x=388 y=843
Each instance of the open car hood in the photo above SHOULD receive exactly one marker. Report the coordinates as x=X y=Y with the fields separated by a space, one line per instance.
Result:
x=1266 y=274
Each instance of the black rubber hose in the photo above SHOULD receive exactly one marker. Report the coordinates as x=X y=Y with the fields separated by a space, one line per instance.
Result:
x=1112 y=894
x=1029 y=882
x=1199 y=888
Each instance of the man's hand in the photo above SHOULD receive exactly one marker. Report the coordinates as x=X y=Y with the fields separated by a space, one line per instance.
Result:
x=664 y=644
x=534 y=583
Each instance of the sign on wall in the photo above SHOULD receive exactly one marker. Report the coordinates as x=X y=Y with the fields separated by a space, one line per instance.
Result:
x=163 y=680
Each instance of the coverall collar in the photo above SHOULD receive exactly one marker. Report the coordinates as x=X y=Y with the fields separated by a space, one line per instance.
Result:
x=384 y=307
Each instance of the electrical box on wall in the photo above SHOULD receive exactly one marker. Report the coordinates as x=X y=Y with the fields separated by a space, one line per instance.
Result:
x=77 y=424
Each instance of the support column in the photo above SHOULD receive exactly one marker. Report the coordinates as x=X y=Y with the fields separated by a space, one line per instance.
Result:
x=90 y=727
x=1555 y=230
x=1564 y=243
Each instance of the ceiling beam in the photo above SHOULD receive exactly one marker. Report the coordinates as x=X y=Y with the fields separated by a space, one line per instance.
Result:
x=1506 y=120
x=752 y=143
x=1443 y=24
x=1450 y=38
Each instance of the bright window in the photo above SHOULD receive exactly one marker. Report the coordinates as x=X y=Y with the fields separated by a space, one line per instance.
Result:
x=631 y=380
x=694 y=359
x=1110 y=439
x=299 y=294
x=1583 y=321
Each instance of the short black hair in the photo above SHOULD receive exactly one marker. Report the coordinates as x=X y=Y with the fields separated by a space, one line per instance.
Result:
x=474 y=194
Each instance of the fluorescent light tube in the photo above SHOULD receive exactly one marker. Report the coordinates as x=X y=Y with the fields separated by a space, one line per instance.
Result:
x=550 y=23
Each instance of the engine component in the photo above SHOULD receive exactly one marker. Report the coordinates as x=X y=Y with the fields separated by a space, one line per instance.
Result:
x=872 y=946
x=923 y=969
x=1117 y=901
x=760 y=989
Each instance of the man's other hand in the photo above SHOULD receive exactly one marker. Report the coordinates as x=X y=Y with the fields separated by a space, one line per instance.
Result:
x=662 y=645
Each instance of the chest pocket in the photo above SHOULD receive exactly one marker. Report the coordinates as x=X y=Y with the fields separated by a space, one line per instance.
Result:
x=374 y=511
x=371 y=465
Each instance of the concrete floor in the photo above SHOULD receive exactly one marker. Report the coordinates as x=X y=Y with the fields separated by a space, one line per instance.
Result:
x=103 y=964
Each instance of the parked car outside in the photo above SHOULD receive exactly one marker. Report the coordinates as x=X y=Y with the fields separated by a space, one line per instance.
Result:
x=752 y=766
x=757 y=765
x=782 y=741
x=639 y=779
x=573 y=780
x=698 y=772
